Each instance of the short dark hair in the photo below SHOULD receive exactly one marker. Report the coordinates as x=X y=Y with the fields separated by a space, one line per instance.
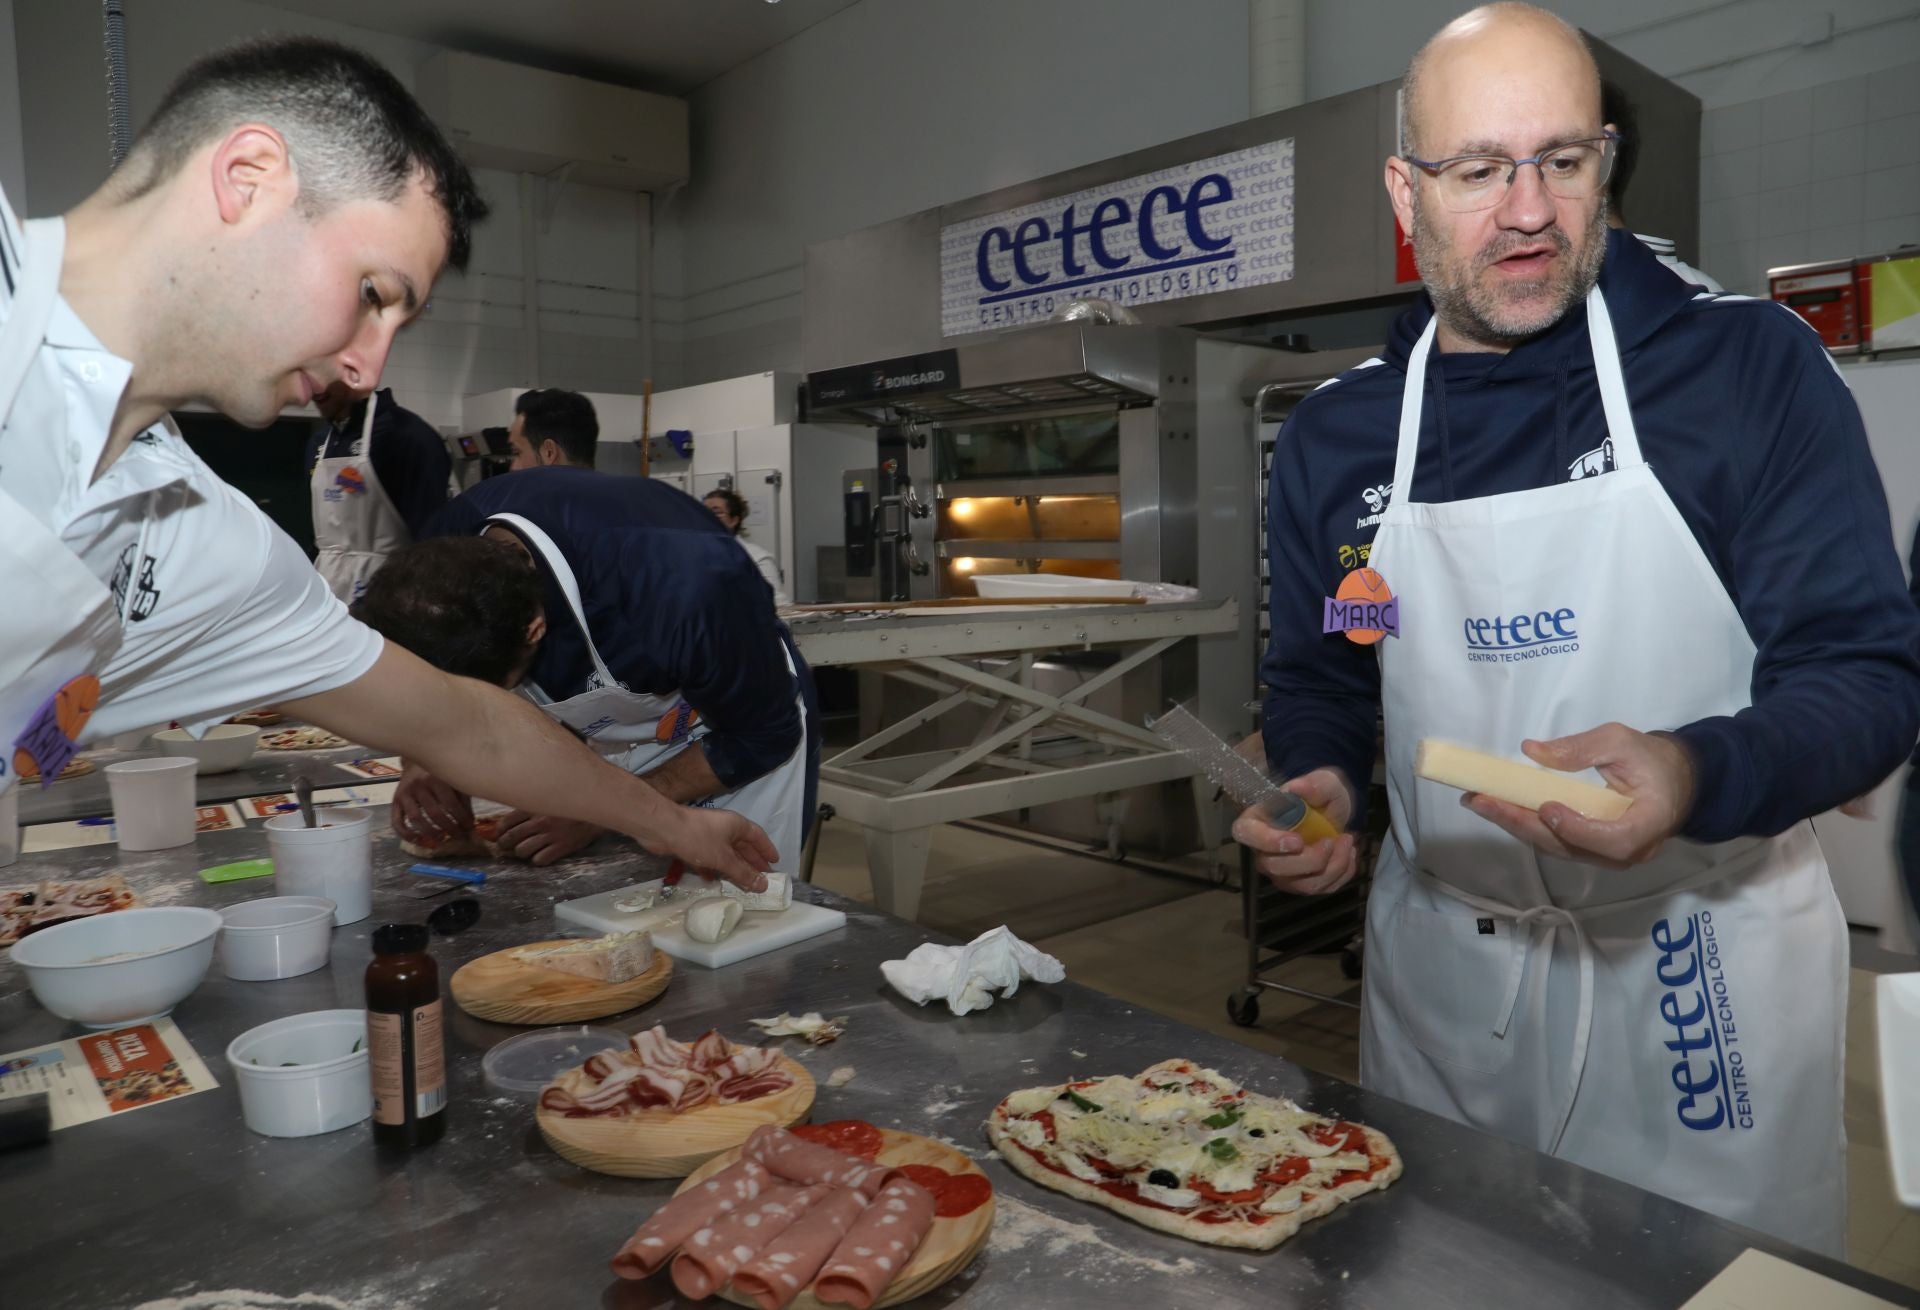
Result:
x=352 y=131
x=565 y=418
x=736 y=505
x=1617 y=108
x=462 y=604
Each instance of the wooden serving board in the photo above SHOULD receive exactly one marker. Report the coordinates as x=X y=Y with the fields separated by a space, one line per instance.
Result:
x=951 y=1243
x=666 y=1144
x=502 y=989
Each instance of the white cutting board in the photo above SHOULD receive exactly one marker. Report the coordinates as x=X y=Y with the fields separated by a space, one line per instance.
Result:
x=757 y=934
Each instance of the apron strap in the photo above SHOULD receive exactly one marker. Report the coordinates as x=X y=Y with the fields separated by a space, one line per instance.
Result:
x=364 y=442
x=34 y=297
x=569 y=586
x=1606 y=368
x=1412 y=396
x=1613 y=383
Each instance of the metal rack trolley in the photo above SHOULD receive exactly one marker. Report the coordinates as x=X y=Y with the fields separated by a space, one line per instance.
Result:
x=1281 y=927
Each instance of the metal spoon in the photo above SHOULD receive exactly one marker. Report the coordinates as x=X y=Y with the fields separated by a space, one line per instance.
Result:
x=303 y=792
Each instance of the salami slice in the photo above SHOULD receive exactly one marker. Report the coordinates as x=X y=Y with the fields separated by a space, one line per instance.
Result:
x=877 y=1246
x=800 y=1161
x=789 y=1262
x=712 y=1254
x=847 y=1136
x=673 y=1223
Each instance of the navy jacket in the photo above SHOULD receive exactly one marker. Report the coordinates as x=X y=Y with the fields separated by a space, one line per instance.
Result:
x=673 y=601
x=1750 y=429
x=408 y=457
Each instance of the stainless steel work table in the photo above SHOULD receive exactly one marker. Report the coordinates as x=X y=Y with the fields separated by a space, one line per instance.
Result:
x=179 y=1197
x=265 y=773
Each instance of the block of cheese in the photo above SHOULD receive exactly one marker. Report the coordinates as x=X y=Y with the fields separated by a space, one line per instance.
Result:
x=1526 y=785
x=616 y=958
x=777 y=896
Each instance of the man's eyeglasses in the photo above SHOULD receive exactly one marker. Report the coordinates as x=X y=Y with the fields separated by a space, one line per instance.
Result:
x=1573 y=171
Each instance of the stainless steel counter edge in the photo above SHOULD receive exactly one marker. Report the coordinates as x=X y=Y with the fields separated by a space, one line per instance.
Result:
x=180 y=1199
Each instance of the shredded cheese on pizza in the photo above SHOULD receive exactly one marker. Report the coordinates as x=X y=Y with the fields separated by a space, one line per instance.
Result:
x=1186 y=1139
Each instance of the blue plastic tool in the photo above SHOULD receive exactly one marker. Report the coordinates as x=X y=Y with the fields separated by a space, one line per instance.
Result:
x=447 y=871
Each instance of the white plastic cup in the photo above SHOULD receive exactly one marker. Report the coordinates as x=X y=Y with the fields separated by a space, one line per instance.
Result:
x=10 y=824
x=276 y=937
x=303 y=1075
x=153 y=807
x=334 y=860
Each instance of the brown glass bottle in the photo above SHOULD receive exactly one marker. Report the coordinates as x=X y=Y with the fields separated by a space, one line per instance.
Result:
x=405 y=1053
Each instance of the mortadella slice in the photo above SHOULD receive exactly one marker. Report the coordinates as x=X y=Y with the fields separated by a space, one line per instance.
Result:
x=673 y=1223
x=799 y=1161
x=709 y=1257
x=877 y=1246
x=789 y=1262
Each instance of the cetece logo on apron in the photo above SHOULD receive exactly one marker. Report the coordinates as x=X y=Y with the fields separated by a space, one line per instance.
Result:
x=1509 y=639
x=1697 y=1005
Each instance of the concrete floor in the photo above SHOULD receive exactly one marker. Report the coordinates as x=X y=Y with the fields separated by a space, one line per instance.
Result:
x=1175 y=947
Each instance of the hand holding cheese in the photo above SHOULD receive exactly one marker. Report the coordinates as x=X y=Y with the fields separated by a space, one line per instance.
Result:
x=1650 y=772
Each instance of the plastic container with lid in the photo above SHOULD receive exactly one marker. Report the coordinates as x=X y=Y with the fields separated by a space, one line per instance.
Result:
x=406 y=1051
x=524 y=1065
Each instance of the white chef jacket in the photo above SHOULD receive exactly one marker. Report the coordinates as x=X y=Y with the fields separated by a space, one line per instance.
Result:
x=769 y=569
x=222 y=610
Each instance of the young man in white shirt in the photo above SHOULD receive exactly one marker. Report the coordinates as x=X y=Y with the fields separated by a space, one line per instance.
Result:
x=284 y=213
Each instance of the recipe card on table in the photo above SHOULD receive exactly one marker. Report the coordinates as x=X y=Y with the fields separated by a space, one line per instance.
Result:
x=107 y=1073
x=1758 y=1281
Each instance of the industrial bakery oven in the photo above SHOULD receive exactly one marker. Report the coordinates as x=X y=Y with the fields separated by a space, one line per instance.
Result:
x=1081 y=451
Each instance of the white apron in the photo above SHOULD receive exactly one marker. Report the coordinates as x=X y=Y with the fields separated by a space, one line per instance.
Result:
x=62 y=626
x=640 y=732
x=355 y=526
x=1680 y=1024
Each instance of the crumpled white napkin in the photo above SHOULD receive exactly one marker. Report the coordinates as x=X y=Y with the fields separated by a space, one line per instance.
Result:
x=967 y=976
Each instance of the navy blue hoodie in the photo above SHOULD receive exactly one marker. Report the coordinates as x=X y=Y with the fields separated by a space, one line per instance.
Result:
x=674 y=603
x=1751 y=431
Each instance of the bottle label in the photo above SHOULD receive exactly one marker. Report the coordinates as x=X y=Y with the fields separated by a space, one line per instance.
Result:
x=386 y=1064
x=429 y=1062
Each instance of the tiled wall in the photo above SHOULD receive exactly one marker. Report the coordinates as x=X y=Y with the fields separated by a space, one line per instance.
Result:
x=1808 y=175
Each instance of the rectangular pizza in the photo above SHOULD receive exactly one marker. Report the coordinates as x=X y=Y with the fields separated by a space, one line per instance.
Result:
x=1183 y=1149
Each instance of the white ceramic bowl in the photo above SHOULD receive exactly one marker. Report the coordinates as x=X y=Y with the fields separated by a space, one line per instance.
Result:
x=277 y=937
x=302 y=1075
x=226 y=745
x=76 y=971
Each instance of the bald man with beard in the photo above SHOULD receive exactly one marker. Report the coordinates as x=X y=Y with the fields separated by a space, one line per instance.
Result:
x=1635 y=535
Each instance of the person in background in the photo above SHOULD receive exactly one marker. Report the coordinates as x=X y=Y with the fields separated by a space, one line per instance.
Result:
x=730 y=507
x=553 y=428
x=378 y=472
x=1617 y=108
x=630 y=616
x=1634 y=532
x=284 y=212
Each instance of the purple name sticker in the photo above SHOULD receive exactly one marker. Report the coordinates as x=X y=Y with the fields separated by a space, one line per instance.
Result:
x=43 y=739
x=1367 y=616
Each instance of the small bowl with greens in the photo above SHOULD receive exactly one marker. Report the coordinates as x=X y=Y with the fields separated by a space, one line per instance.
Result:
x=304 y=1074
